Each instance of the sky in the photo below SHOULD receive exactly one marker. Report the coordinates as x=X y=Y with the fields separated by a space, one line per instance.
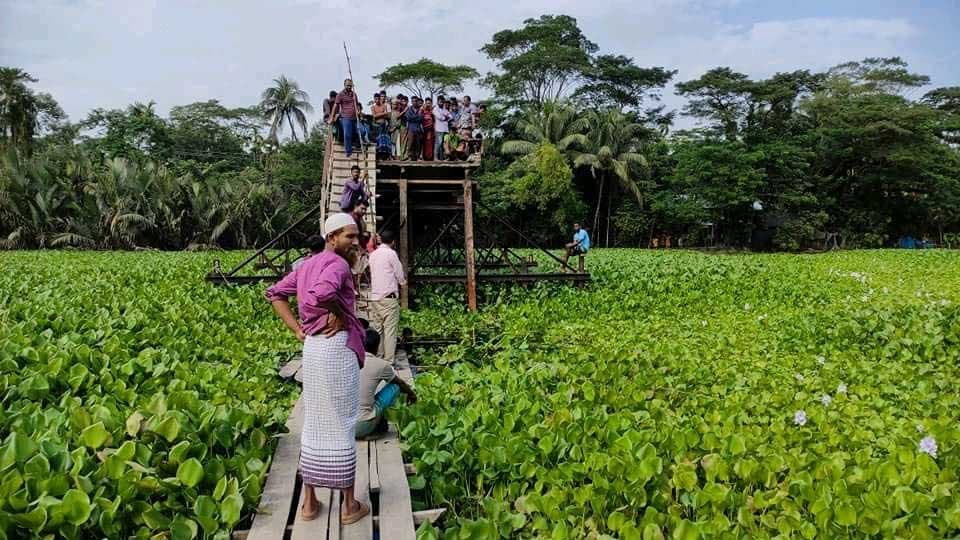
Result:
x=111 y=53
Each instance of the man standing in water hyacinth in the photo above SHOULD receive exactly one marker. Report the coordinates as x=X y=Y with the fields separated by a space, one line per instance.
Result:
x=333 y=354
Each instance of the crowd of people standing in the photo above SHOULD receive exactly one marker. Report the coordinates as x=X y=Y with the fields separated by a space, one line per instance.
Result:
x=411 y=128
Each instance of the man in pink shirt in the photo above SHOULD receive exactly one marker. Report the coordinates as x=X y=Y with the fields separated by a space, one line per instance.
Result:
x=333 y=353
x=386 y=278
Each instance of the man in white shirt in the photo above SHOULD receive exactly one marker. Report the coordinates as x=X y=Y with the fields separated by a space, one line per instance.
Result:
x=386 y=278
x=441 y=125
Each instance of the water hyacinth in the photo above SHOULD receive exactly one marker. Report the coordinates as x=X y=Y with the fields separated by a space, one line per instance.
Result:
x=841 y=388
x=928 y=445
x=826 y=400
x=800 y=418
x=821 y=360
x=798 y=377
x=920 y=428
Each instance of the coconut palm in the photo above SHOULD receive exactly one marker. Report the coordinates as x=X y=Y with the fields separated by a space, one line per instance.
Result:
x=555 y=123
x=612 y=152
x=18 y=105
x=285 y=100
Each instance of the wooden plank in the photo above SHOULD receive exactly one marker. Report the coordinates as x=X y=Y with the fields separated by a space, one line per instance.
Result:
x=431 y=515
x=396 y=515
x=374 y=468
x=270 y=521
x=437 y=182
x=404 y=245
x=468 y=244
x=290 y=368
x=421 y=516
x=317 y=528
x=335 y=528
x=363 y=529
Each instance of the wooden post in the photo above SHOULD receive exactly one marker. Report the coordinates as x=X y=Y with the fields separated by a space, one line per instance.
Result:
x=468 y=243
x=580 y=263
x=404 y=245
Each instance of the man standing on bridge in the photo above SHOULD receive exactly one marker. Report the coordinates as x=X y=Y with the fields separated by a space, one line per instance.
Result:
x=333 y=353
x=386 y=278
x=346 y=104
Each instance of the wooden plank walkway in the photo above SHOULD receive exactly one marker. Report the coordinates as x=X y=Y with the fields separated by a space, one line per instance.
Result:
x=381 y=483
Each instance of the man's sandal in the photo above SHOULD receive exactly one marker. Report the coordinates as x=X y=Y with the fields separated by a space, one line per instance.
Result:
x=356 y=516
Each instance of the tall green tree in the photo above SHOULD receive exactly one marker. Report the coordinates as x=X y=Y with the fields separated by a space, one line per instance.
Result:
x=24 y=113
x=612 y=153
x=615 y=81
x=426 y=77
x=540 y=62
x=285 y=100
x=720 y=96
x=556 y=123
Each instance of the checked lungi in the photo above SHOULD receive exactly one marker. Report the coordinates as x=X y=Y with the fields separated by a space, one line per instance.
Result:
x=331 y=386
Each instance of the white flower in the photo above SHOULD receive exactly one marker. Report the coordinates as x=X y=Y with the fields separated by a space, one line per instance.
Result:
x=761 y=317
x=841 y=388
x=703 y=323
x=798 y=377
x=920 y=428
x=826 y=400
x=746 y=307
x=800 y=418
x=944 y=302
x=821 y=360
x=929 y=446
x=864 y=298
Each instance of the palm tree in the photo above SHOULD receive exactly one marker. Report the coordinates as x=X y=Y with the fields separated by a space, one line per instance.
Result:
x=555 y=123
x=612 y=147
x=285 y=100
x=18 y=105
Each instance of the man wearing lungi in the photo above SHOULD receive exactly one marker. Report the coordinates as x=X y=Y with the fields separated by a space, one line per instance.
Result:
x=333 y=354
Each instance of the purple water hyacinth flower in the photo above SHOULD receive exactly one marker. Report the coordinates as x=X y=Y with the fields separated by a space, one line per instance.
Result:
x=800 y=418
x=826 y=400
x=928 y=445
x=841 y=388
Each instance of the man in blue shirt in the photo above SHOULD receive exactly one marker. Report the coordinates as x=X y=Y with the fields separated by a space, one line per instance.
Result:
x=580 y=244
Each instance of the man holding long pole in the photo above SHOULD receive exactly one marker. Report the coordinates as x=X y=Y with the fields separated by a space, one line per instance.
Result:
x=347 y=106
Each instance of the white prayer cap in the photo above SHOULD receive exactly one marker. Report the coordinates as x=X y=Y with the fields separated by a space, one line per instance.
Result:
x=336 y=222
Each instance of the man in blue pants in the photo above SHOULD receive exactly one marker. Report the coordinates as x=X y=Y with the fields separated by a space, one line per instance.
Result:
x=373 y=405
x=347 y=106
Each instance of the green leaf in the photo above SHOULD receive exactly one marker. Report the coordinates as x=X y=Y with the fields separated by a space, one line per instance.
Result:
x=133 y=423
x=737 y=445
x=846 y=515
x=169 y=428
x=94 y=436
x=178 y=452
x=182 y=528
x=652 y=532
x=230 y=509
x=76 y=507
x=190 y=472
x=33 y=520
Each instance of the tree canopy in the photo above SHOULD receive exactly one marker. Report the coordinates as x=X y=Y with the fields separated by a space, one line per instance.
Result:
x=426 y=77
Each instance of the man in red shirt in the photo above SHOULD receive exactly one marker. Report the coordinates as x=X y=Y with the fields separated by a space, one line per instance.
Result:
x=347 y=106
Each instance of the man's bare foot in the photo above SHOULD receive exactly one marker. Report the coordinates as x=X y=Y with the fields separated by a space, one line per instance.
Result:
x=310 y=509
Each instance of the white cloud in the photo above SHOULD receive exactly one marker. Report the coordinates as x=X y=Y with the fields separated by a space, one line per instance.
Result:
x=113 y=52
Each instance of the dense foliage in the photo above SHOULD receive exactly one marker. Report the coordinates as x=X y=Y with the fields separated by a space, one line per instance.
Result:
x=685 y=395
x=855 y=154
x=136 y=399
